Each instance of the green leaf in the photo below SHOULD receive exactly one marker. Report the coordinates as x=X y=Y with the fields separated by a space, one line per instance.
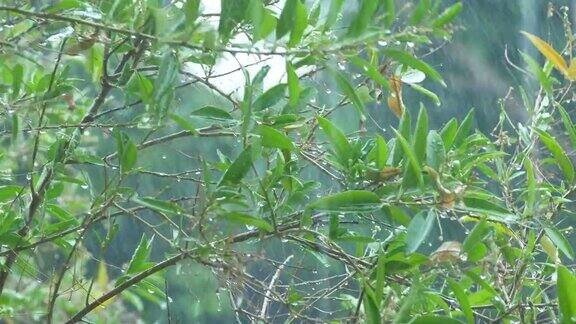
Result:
x=435 y=151
x=418 y=230
x=535 y=68
x=238 y=169
x=390 y=9
x=183 y=123
x=231 y=14
x=191 y=10
x=559 y=240
x=258 y=79
x=421 y=134
x=566 y=288
x=15 y=131
x=406 y=131
x=435 y=319
x=370 y=70
x=462 y=298
x=299 y=25
x=464 y=129
x=333 y=12
x=145 y=89
x=559 y=155
x=476 y=236
x=246 y=105
x=448 y=133
x=286 y=20
x=448 y=15
x=403 y=313
x=17 y=76
x=293 y=85
x=421 y=11
x=407 y=59
x=159 y=205
x=212 y=112
x=478 y=279
x=8 y=193
x=270 y=97
x=381 y=152
x=244 y=219
x=568 y=125
x=486 y=207
x=127 y=151
x=380 y=278
x=352 y=200
x=167 y=73
x=315 y=13
x=274 y=138
x=94 y=61
x=371 y=308
x=337 y=139
x=346 y=87
x=363 y=17
x=263 y=21
x=411 y=156
x=426 y=92
x=139 y=261
x=530 y=191
x=334 y=229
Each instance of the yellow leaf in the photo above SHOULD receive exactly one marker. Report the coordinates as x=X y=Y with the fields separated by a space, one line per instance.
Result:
x=449 y=252
x=395 y=99
x=571 y=72
x=102 y=276
x=549 y=248
x=389 y=172
x=102 y=283
x=549 y=52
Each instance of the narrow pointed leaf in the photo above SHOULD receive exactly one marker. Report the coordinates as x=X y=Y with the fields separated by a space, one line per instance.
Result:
x=447 y=15
x=240 y=218
x=566 y=285
x=419 y=229
x=337 y=139
x=549 y=52
x=238 y=169
x=463 y=300
x=353 y=200
x=274 y=138
x=411 y=156
x=559 y=155
x=409 y=60
x=559 y=240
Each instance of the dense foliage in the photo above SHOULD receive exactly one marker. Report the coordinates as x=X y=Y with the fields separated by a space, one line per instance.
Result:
x=257 y=161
